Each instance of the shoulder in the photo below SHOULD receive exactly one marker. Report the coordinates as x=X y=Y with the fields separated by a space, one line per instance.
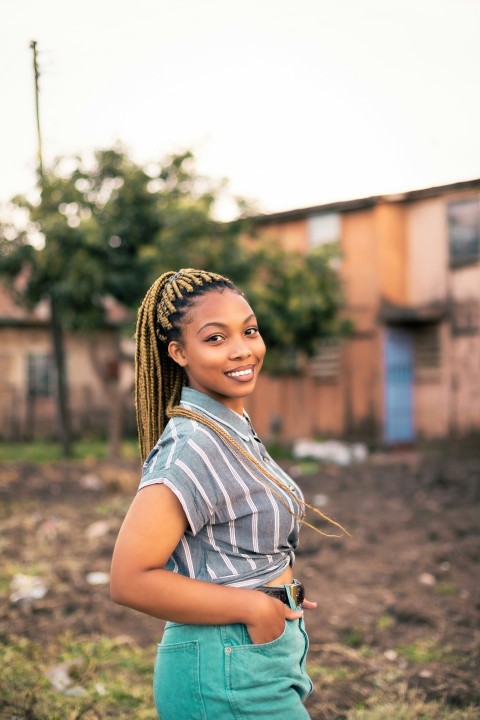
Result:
x=184 y=441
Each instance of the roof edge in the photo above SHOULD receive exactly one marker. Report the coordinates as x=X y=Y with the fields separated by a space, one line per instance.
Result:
x=366 y=202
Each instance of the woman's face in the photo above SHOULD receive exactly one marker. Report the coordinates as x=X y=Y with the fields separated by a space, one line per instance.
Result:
x=221 y=350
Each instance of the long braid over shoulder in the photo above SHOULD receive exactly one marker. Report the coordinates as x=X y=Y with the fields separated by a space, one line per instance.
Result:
x=158 y=379
x=258 y=470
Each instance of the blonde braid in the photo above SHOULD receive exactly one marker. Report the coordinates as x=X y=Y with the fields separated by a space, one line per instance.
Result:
x=241 y=454
x=158 y=379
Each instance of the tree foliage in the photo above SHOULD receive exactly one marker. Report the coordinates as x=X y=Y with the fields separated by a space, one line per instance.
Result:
x=297 y=298
x=112 y=226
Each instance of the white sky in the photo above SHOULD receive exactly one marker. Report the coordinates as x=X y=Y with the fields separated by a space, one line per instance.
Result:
x=296 y=102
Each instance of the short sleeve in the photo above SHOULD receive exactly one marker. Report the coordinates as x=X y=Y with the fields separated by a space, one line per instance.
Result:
x=181 y=461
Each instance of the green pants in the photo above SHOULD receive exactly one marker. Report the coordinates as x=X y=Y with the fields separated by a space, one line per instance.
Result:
x=214 y=672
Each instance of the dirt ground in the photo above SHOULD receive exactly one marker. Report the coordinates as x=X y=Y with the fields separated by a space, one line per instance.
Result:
x=399 y=600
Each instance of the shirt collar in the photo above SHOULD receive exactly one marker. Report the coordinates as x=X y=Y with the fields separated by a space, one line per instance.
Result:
x=216 y=411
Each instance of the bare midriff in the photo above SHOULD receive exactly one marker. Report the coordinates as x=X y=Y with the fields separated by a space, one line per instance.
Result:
x=286 y=578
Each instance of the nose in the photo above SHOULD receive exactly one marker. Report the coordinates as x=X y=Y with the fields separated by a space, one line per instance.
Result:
x=240 y=350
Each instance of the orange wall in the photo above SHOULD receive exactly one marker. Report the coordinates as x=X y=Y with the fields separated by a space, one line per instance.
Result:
x=362 y=378
x=391 y=241
x=427 y=266
x=305 y=407
x=292 y=236
x=431 y=394
x=359 y=269
x=465 y=386
x=84 y=384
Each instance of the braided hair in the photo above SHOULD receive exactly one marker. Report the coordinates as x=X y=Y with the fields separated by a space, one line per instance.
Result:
x=159 y=379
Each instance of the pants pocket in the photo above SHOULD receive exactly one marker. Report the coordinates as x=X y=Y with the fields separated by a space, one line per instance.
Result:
x=176 y=682
x=268 y=680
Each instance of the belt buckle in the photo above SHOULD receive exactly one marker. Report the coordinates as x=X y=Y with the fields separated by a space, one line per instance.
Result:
x=298 y=593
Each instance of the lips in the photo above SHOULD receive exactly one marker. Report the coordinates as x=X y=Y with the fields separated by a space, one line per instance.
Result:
x=241 y=373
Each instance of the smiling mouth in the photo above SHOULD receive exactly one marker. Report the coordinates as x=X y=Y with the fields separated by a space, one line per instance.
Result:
x=245 y=373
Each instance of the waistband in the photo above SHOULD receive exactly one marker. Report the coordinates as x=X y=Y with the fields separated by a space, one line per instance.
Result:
x=292 y=594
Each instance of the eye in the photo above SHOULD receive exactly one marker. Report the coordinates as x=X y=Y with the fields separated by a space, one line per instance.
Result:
x=214 y=338
x=251 y=331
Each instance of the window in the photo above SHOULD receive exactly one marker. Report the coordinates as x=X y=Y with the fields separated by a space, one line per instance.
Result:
x=427 y=348
x=464 y=231
x=40 y=376
x=427 y=353
x=323 y=229
x=466 y=317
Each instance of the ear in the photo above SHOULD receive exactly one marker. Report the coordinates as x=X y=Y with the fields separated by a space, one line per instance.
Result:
x=175 y=350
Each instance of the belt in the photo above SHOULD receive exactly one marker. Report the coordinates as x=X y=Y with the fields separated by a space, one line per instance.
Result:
x=297 y=591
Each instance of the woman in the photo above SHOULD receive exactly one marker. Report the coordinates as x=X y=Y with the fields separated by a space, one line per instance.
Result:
x=208 y=543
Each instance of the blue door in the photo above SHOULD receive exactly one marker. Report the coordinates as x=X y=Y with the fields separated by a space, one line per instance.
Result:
x=398 y=385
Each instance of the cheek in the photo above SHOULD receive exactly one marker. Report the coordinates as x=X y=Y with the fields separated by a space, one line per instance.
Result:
x=262 y=349
x=208 y=357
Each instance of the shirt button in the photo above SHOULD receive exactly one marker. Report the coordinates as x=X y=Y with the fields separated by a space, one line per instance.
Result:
x=266 y=459
x=228 y=650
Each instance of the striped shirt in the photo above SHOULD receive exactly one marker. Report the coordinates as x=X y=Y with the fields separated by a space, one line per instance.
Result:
x=240 y=533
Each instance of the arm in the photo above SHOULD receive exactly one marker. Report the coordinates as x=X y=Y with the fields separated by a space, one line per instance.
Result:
x=150 y=532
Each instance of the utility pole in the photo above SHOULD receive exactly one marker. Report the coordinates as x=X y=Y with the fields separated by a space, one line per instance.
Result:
x=36 y=74
x=55 y=322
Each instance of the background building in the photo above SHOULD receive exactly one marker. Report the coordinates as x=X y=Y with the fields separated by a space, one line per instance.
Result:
x=27 y=372
x=410 y=267
x=411 y=273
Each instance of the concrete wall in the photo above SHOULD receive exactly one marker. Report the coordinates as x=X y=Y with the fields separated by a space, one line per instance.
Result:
x=427 y=256
x=465 y=385
x=465 y=348
x=431 y=393
x=447 y=402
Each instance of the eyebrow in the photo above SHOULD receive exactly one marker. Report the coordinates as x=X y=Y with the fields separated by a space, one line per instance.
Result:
x=217 y=323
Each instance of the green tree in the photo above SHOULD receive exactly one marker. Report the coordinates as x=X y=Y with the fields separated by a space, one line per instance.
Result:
x=111 y=226
x=297 y=298
x=95 y=221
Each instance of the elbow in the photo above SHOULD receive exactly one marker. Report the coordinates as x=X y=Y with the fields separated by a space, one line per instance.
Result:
x=121 y=581
x=117 y=593
x=120 y=588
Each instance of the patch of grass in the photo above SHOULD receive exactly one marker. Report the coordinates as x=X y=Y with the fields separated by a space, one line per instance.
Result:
x=308 y=467
x=45 y=451
x=115 y=680
x=426 y=651
x=366 y=652
x=385 y=622
x=353 y=637
x=116 y=507
x=325 y=674
x=413 y=709
x=11 y=568
x=445 y=588
x=279 y=452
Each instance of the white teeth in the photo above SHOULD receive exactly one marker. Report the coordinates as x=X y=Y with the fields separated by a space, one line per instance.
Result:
x=240 y=372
